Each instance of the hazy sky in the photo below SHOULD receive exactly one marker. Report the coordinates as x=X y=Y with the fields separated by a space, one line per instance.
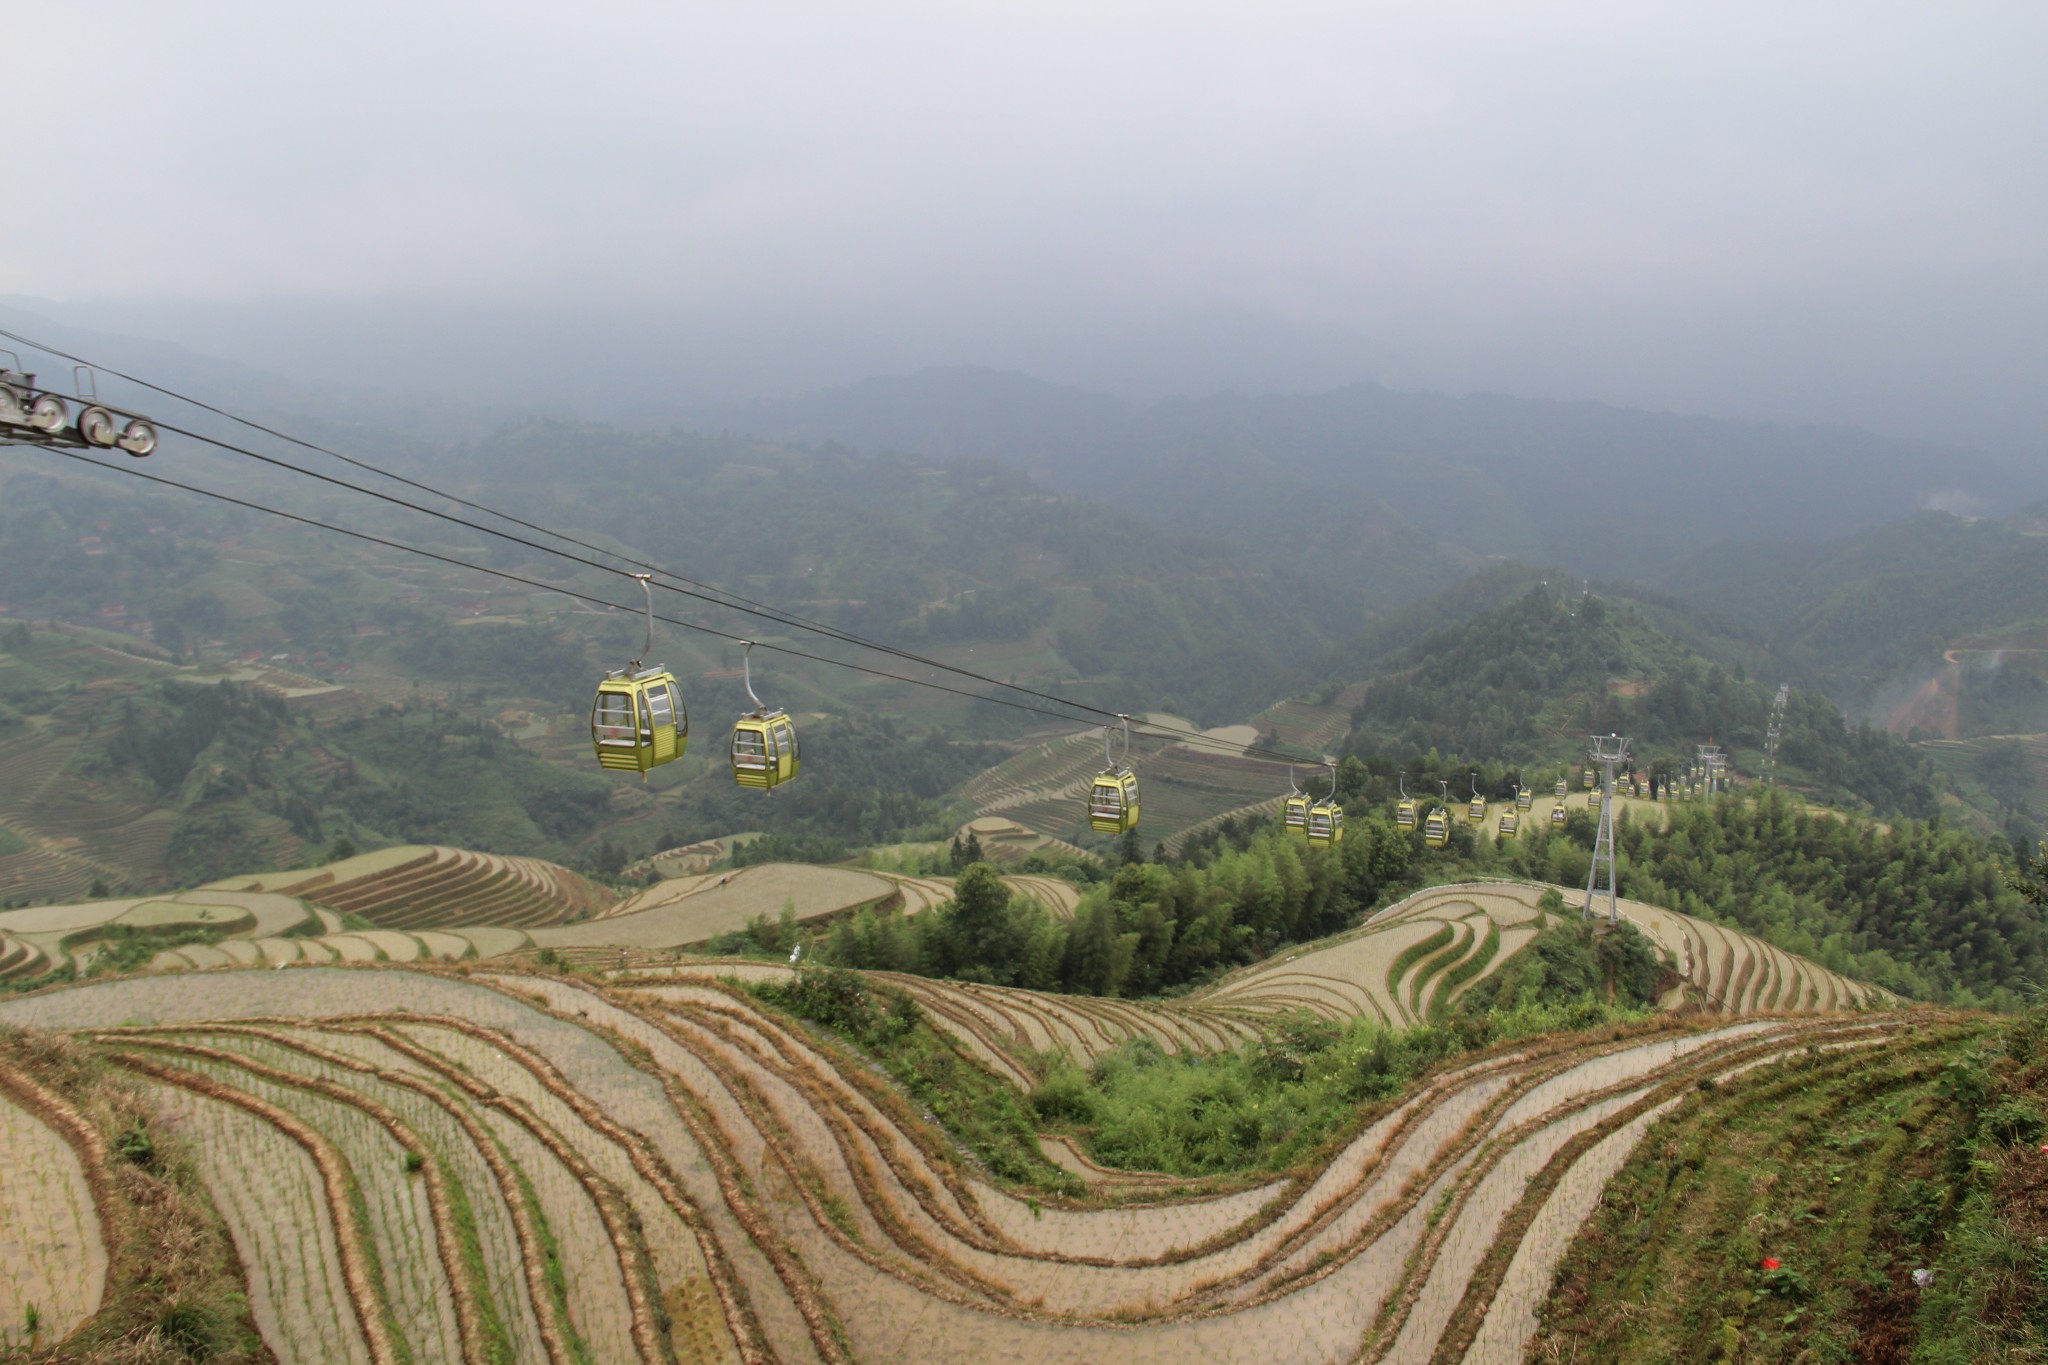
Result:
x=1826 y=211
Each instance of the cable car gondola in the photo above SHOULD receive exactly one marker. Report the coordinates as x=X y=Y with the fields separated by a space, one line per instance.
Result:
x=1326 y=817
x=1510 y=824
x=764 y=748
x=1404 y=809
x=1475 y=811
x=638 y=720
x=1561 y=788
x=1524 y=797
x=1113 y=799
x=1557 y=816
x=1294 y=807
x=1589 y=779
x=1436 y=826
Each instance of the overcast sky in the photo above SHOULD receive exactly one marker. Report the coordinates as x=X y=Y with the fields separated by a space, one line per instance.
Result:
x=1806 y=211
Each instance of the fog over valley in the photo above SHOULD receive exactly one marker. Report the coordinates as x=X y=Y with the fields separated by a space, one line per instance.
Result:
x=1824 y=214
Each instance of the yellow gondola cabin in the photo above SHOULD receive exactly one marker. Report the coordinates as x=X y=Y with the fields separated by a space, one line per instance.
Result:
x=1524 y=798
x=764 y=747
x=1510 y=823
x=1560 y=789
x=1557 y=814
x=1113 y=802
x=1436 y=827
x=1295 y=810
x=638 y=720
x=1325 y=824
x=764 y=752
x=1113 y=796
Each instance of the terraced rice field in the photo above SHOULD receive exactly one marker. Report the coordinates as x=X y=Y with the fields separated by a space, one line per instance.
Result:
x=76 y=827
x=668 y=1171
x=53 y=1260
x=1056 y=767
x=692 y=910
x=1184 y=785
x=54 y=935
x=425 y=887
x=43 y=807
x=1311 y=726
x=1406 y=966
x=20 y=958
x=377 y=945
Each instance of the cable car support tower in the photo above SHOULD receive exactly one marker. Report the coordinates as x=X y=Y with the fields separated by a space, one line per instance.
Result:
x=1607 y=753
x=1775 y=733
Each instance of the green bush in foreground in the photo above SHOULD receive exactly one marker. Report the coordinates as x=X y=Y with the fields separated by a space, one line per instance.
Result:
x=1270 y=1104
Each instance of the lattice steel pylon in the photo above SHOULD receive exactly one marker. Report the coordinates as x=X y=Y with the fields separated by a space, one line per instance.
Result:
x=1607 y=753
x=1775 y=733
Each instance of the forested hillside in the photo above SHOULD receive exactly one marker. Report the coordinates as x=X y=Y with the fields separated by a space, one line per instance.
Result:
x=1869 y=611
x=1527 y=681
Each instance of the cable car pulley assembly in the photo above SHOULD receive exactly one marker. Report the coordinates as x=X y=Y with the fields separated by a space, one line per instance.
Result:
x=33 y=416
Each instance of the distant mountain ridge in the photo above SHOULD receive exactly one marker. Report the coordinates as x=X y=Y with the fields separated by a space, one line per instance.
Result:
x=1436 y=480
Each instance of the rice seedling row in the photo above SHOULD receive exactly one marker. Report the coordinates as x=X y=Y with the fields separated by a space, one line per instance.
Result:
x=402 y=1208
x=53 y=1259
x=269 y=1191
x=357 y=1263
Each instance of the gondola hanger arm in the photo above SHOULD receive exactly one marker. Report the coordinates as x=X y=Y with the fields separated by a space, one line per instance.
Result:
x=647 y=647
x=747 y=672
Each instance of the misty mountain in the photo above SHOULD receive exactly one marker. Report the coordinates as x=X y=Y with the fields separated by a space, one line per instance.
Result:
x=1873 y=611
x=1376 y=482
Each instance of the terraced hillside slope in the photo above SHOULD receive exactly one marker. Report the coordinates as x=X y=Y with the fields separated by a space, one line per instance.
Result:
x=415 y=886
x=1409 y=964
x=1186 y=784
x=417 y=1164
x=61 y=829
x=417 y=904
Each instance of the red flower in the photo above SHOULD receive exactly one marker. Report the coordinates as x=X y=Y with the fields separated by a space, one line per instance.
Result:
x=1770 y=1263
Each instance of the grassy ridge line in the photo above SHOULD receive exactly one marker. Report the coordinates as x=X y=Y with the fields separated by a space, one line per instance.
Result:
x=1719 y=1175
x=1642 y=1091
x=1430 y=972
x=1483 y=1288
